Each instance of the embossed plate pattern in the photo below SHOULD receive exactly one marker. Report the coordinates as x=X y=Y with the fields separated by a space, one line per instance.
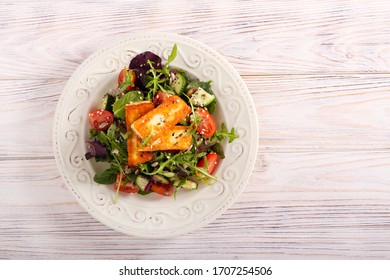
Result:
x=153 y=215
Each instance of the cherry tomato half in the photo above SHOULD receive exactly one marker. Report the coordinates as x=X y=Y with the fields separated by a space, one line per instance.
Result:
x=162 y=189
x=212 y=161
x=206 y=125
x=160 y=97
x=128 y=187
x=122 y=78
x=100 y=119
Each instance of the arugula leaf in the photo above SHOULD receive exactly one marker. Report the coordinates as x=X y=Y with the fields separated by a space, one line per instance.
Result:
x=186 y=160
x=146 y=140
x=144 y=167
x=111 y=130
x=179 y=186
x=171 y=56
x=153 y=81
x=195 y=120
x=120 y=104
x=106 y=177
x=220 y=135
x=158 y=79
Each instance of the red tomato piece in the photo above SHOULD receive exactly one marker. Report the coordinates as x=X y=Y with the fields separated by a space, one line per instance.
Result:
x=206 y=126
x=160 y=97
x=162 y=189
x=100 y=119
x=212 y=162
x=122 y=78
x=128 y=187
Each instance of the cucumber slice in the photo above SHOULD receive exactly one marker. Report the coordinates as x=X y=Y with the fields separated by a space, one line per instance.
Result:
x=106 y=102
x=188 y=185
x=202 y=98
x=142 y=181
x=168 y=174
x=160 y=179
x=179 y=83
x=195 y=84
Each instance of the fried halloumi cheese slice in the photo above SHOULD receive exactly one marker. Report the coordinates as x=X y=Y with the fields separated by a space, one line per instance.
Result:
x=163 y=118
x=136 y=110
x=133 y=112
x=135 y=156
x=177 y=138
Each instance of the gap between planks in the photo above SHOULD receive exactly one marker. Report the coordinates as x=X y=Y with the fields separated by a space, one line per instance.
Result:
x=261 y=150
x=249 y=75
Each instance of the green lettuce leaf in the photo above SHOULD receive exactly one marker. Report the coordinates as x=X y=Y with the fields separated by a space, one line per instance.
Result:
x=120 y=104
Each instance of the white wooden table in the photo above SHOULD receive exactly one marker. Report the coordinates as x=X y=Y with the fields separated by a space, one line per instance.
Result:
x=319 y=74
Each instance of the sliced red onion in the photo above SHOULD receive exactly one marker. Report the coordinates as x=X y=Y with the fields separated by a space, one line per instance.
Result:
x=148 y=186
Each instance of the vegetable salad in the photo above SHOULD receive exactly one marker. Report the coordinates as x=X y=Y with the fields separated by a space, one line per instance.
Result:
x=156 y=129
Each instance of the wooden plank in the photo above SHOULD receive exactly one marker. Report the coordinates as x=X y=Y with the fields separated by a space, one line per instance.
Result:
x=319 y=178
x=27 y=117
x=322 y=112
x=295 y=113
x=50 y=41
x=287 y=236
x=31 y=182
x=312 y=178
x=305 y=205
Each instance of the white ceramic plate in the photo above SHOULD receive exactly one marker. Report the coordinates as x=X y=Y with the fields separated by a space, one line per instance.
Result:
x=153 y=215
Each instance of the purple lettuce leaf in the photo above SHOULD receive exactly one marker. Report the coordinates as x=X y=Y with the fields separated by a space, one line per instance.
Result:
x=95 y=149
x=140 y=65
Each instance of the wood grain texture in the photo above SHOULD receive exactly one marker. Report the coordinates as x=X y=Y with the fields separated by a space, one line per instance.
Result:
x=295 y=205
x=50 y=39
x=319 y=75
